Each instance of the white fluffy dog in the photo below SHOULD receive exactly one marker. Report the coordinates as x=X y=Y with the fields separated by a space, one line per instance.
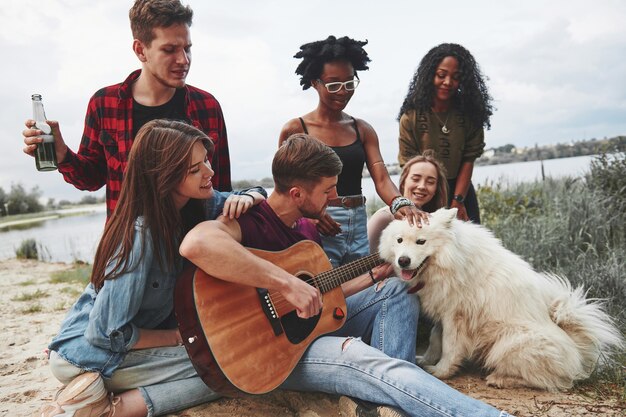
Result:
x=525 y=328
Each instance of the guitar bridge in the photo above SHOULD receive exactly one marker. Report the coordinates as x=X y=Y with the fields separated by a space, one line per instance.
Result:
x=270 y=311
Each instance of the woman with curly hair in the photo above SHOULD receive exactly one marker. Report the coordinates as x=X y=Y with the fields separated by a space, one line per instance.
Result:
x=446 y=109
x=330 y=66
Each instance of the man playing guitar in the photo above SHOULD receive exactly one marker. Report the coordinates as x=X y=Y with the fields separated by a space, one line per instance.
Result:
x=370 y=358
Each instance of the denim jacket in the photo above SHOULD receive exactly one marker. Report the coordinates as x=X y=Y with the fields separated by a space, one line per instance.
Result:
x=101 y=328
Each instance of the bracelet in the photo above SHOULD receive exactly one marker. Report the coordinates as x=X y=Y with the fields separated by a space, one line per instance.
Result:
x=372 y=276
x=399 y=202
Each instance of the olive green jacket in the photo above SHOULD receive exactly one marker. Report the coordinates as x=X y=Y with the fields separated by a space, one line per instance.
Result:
x=463 y=143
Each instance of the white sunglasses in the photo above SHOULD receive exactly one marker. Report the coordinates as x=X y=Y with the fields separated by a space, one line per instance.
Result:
x=334 y=87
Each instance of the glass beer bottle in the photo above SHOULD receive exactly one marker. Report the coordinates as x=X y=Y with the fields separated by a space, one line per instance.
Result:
x=45 y=154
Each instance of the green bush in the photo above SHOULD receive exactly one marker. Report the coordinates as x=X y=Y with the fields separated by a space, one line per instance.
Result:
x=27 y=250
x=571 y=226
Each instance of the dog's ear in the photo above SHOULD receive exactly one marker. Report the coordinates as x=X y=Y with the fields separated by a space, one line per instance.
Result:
x=447 y=215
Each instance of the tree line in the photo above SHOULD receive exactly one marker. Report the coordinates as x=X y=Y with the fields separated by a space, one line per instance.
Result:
x=20 y=201
x=510 y=153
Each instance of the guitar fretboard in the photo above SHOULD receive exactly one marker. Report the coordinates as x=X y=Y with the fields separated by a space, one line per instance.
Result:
x=330 y=280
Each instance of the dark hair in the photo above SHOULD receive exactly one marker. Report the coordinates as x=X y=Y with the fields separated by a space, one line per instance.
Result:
x=472 y=98
x=315 y=54
x=146 y=15
x=158 y=162
x=303 y=159
x=440 y=199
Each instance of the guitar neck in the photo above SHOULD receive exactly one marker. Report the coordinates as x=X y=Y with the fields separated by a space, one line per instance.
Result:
x=329 y=280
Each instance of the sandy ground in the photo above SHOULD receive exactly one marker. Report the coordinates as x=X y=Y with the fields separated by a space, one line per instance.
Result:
x=27 y=326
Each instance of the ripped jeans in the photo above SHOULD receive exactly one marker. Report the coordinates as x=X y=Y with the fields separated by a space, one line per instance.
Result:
x=361 y=371
x=383 y=321
x=385 y=317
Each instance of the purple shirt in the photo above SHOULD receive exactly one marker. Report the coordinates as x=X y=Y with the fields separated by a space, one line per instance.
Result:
x=261 y=228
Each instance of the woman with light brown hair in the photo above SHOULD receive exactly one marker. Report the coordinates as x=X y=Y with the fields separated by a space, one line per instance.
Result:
x=423 y=181
x=120 y=336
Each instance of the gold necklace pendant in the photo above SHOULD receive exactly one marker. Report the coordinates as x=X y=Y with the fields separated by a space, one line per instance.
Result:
x=444 y=127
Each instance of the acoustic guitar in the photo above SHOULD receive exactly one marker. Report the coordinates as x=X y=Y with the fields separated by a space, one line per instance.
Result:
x=247 y=340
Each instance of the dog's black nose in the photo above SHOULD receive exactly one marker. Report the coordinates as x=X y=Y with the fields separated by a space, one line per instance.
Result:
x=404 y=261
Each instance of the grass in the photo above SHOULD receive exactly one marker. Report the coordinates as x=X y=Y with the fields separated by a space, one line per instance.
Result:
x=60 y=306
x=72 y=291
x=31 y=296
x=27 y=250
x=33 y=308
x=79 y=273
x=26 y=216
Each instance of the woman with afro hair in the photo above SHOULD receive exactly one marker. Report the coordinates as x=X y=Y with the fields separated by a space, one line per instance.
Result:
x=330 y=66
x=446 y=109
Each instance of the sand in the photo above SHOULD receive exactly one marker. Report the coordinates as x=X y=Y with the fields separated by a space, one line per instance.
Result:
x=27 y=326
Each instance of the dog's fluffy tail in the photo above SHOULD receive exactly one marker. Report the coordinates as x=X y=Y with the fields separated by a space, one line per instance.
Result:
x=585 y=321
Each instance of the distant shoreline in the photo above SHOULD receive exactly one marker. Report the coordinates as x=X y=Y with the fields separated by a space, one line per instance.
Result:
x=22 y=219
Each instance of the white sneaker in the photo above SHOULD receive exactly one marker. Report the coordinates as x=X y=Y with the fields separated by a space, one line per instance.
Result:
x=85 y=396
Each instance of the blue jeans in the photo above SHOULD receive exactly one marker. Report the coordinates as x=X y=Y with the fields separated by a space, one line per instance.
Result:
x=351 y=243
x=378 y=365
x=336 y=366
x=385 y=317
x=164 y=376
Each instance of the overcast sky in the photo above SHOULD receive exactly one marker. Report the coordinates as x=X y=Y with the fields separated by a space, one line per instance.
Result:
x=557 y=69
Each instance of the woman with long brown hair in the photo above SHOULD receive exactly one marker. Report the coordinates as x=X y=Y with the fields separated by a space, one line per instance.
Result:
x=120 y=336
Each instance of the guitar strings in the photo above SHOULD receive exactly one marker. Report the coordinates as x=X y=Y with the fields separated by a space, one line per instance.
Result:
x=328 y=280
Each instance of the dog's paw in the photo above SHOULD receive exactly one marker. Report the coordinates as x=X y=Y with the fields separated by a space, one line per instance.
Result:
x=439 y=372
x=499 y=381
x=423 y=361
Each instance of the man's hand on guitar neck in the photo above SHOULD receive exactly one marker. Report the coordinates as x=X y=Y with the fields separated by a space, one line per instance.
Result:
x=304 y=297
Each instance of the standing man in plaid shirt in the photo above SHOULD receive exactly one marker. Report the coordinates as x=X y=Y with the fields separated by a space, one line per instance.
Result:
x=162 y=42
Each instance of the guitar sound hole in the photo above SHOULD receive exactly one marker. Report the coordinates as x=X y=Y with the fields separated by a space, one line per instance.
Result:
x=297 y=329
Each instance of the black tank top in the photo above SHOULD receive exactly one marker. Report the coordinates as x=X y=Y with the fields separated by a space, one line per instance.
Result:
x=353 y=158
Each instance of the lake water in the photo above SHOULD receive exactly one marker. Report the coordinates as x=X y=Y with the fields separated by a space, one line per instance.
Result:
x=64 y=239
x=512 y=173
x=73 y=238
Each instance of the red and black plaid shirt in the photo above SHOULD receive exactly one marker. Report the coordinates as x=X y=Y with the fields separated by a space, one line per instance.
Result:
x=103 y=153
